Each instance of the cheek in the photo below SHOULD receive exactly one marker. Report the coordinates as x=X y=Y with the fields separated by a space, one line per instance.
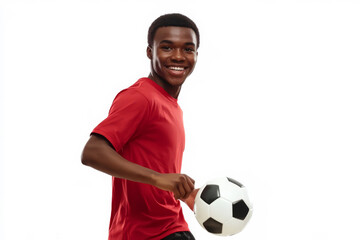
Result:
x=156 y=65
x=157 y=62
x=193 y=61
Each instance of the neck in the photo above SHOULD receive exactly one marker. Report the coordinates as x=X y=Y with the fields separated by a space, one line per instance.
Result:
x=173 y=91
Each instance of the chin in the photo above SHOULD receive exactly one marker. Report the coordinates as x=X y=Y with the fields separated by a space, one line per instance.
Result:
x=175 y=82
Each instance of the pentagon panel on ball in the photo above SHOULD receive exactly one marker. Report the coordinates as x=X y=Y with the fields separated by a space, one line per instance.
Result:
x=222 y=206
x=210 y=193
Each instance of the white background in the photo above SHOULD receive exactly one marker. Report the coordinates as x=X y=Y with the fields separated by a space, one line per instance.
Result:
x=274 y=102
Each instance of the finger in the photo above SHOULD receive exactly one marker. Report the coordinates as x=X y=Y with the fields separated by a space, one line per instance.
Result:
x=192 y=180
x=176 y=193
x=191 y=183
x=189 y=186
x=182 y=190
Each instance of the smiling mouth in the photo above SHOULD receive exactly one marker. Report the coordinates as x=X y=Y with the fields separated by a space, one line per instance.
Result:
x=176 y=68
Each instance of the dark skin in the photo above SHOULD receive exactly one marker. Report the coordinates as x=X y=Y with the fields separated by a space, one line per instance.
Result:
x=173 y=57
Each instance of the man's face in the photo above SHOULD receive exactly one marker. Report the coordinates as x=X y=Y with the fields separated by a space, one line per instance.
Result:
x=173 y=54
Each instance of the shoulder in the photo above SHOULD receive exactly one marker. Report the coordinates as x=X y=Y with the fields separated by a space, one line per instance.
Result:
x=134 y=98
x=138 y=91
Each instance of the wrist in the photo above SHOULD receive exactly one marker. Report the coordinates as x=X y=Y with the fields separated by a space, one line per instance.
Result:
x=154 y=178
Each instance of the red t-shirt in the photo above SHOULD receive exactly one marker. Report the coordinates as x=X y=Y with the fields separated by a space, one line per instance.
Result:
x=145 y=126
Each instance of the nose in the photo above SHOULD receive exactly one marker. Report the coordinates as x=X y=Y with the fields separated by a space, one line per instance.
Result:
x=178 y=55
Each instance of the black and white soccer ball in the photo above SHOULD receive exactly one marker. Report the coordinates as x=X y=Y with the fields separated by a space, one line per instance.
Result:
x=222 y=206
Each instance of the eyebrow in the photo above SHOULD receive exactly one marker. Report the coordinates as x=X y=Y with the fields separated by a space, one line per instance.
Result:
x=170 y=42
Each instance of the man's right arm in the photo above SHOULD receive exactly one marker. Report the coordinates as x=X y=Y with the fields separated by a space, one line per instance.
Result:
x=98 y=153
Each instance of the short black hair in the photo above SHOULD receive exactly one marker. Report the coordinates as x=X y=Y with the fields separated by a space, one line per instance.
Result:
x=172 y=20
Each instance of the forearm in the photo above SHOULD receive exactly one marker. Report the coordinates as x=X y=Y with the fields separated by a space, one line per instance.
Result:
x=99 y=155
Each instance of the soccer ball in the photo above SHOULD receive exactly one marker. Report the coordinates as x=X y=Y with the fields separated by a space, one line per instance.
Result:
x=222 y=206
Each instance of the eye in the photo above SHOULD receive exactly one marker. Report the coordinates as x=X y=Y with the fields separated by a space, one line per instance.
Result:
x=166 y=48
x=189 y=49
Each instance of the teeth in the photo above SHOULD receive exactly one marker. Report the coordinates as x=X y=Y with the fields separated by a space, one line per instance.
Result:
x=177 y=68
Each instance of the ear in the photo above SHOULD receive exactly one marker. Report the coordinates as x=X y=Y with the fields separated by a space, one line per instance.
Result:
x=149 y=52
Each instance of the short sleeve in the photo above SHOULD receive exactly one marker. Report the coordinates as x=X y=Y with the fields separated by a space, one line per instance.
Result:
x=126 y=114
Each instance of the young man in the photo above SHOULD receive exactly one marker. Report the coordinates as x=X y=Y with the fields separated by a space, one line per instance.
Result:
x=142 y=140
